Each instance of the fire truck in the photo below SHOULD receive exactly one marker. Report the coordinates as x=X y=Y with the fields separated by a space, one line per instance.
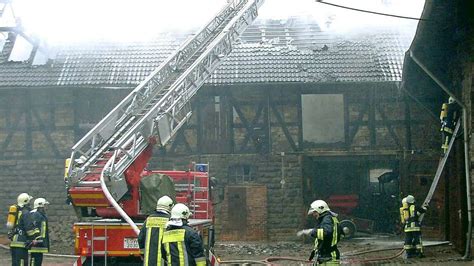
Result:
x=106 y=170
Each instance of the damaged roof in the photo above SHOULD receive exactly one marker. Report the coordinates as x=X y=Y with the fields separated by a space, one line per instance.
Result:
x=268 y=51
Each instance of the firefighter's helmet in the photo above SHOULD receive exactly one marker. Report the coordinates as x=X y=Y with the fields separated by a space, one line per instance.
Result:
x=180 y=211
x=23 y=199
x=318 y=206
x=164 y=203
x=40 y=203
x=410 y=199
x=404 y=202
x=451 y=100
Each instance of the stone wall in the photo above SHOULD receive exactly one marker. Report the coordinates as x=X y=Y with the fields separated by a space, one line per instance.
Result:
x=468 y=96
x=62 y=119
x=39 y=178
x=282 y=176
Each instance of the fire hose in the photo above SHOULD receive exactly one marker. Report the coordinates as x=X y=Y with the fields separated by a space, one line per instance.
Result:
x=269 y=260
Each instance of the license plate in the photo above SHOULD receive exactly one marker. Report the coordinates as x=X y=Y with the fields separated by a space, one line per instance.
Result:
x=131 y=243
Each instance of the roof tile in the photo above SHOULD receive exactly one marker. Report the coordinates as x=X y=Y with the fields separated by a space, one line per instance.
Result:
x=312 y=56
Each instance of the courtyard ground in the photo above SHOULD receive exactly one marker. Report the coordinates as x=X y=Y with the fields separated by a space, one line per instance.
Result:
x=252 y=253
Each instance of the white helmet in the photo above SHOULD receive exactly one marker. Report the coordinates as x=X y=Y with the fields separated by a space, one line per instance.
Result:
x=40 y=203
x=180 y=211
x=451 y=100
x=164 y=204
x=23 y=199
x=410 y=199
x=318 y=206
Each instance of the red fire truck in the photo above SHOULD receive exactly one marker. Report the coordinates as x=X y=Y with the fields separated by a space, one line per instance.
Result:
x=105 y=173
x=113 y=241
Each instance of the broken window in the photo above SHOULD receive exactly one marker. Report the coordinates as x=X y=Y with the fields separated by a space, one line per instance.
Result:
x=241 y=173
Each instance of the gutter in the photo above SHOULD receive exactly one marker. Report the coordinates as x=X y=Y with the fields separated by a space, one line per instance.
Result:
x=467 y=251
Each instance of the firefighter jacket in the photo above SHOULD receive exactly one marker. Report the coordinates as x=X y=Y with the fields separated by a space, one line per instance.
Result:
x=150 y=237
x=327 y=232
x=448 y=117
x=16 y=224
x=38 y=232
x=182 y=246
x=412 y=218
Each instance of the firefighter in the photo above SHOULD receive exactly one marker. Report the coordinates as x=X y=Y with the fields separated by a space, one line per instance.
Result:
x=38 y=232
x=151 y=233
x=327 y=234
x=16 y=232
x=448 y=118
x=411 y=215
x=182 y=245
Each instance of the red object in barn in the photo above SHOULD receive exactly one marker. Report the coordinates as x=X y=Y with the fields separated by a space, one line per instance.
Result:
x=343 y=204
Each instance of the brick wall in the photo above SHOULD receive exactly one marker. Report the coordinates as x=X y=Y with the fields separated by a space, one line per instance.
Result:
x=244 y=213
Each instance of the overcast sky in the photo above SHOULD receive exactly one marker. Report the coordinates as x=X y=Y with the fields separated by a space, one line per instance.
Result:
x=85 y=20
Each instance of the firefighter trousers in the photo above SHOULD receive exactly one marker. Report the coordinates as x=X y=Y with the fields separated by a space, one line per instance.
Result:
x=36 y=259
x=19 y=256
x=413 y=244
x=446 y=138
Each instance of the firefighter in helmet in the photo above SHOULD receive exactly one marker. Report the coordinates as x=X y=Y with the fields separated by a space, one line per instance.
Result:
x=151 y=233
x=411 y=216
x=327 y=234
x=182 y=245
x=16 y=232
x=38 y=231
x=448 y=118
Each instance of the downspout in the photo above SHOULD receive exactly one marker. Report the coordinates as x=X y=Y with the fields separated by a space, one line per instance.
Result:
x=467 y=251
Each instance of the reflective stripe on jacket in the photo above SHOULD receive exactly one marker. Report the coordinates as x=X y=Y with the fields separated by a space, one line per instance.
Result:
x=150 y=238
x=39 y=232
x=182 y=246
x=412 y=223
x=327 y=234
x=19 y=237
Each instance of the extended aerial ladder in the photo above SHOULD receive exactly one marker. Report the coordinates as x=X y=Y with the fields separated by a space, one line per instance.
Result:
x=112 y=155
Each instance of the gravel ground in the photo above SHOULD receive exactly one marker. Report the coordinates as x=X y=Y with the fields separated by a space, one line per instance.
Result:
x=229 y=252
x=258 y=251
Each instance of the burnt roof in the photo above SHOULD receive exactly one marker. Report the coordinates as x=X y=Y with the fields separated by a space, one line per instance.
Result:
x=268 y=51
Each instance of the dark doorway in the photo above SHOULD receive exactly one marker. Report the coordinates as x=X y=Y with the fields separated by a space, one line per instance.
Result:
x=356 y=187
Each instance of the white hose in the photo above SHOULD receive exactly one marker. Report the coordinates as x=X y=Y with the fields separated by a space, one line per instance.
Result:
x=112 y=200
x=47 y=254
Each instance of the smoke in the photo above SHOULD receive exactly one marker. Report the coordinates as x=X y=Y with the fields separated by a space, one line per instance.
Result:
x=118 y=20
x=125 y=20
x=343 y=21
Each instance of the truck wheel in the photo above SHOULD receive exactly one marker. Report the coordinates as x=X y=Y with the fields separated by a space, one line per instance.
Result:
x=349 y=228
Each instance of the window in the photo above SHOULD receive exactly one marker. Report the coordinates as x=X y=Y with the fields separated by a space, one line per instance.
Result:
x=242 y=173
x=323 y=118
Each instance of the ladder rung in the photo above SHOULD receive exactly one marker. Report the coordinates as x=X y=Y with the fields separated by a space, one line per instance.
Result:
x=201 y=200
x=88 y=183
